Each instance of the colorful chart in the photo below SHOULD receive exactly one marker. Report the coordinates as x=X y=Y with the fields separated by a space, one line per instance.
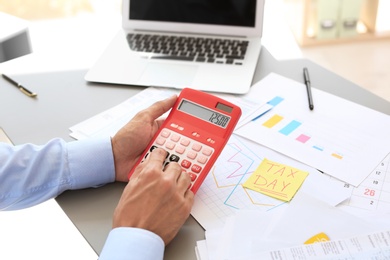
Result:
x=294 y=128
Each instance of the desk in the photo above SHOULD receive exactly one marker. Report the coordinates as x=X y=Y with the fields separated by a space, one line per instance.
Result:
x=64 y=99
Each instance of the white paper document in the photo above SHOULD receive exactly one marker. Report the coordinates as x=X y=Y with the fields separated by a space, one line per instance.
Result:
x=260 y=235
x=338 y=137
x=42 y=232
x=221 y=195
x=368 y=247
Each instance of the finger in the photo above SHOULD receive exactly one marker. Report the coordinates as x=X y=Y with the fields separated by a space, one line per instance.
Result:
x=183 y=182
x=157 y=157
x=174 y=170
x=153 y=163
x=189 y=196
x=159 y=122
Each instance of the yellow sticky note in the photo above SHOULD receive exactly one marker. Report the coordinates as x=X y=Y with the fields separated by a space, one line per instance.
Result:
x=320 y=237
x=276 y=180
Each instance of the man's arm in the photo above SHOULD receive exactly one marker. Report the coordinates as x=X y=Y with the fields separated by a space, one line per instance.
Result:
x=31 y=174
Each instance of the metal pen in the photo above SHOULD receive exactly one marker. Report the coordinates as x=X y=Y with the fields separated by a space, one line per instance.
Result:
x=20 y=87
x=308 y=87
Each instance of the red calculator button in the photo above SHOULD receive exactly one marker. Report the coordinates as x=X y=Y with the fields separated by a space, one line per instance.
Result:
x=196 y=168
x=191 y=155
x=193 y=176
x=207 y=151
x=196 y=147
x=185 y=164
x=185 y=142
x=202 y=159
x=165 y=133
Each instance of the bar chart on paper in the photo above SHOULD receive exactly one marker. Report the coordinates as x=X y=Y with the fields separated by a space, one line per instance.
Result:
x=303 y=133
x=338 y=137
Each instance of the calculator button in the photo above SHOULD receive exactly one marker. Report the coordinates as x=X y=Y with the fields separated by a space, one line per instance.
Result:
x=180 y=149
x=165 y=133
x=196 y=168
x=202 y=159
x=175 y=137
x=170 y=145
x=185 y=142
x=191 y=155
x=186 y=164
x=180 y=128
x=207 y=151
x=174 y=158
x=160 y=141
x=196 y=147
x=152 y=148
x=173 y=125
x=192 y=176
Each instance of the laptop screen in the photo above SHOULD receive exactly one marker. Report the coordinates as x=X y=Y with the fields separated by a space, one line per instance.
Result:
x=212 y=12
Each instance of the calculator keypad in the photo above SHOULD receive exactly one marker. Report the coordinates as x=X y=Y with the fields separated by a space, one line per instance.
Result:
x=190 y=154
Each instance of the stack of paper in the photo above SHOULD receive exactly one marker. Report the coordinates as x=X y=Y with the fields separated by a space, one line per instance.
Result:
x=282 y=234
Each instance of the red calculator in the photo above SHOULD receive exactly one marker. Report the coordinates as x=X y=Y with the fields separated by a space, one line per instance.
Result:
x=195 y=132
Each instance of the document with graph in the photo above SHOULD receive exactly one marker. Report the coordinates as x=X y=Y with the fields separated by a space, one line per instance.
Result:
x=223 y=194
x=339 y=137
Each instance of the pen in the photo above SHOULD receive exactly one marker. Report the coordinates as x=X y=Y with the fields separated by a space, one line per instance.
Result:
x=19 y=86
x=308 y=87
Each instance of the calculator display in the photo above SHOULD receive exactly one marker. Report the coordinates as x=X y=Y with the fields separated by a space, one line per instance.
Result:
x=204 y=113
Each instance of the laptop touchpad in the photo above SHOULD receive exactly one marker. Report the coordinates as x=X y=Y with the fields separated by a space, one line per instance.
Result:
x=158 y=74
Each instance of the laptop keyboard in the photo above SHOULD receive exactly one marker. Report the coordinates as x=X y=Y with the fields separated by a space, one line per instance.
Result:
x=196 y=49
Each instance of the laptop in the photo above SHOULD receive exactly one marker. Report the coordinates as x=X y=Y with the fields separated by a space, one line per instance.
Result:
x=209 y=45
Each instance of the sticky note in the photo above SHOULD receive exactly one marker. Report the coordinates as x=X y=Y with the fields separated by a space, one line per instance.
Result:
x=320 y=237
x=276 y=180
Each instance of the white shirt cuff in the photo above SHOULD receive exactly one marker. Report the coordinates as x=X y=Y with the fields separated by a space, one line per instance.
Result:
x=132 y=243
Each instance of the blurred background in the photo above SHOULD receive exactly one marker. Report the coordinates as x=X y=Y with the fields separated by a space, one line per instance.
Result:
x=72 y=34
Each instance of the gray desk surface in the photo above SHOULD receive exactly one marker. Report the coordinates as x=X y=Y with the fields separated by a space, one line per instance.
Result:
x=64 y=99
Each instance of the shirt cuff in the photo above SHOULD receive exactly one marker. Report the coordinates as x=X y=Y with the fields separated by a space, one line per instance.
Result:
x=91 y=162
x=132 y=243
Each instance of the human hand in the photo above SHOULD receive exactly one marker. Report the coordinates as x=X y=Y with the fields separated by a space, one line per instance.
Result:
x=129 y=142
x=155 y=199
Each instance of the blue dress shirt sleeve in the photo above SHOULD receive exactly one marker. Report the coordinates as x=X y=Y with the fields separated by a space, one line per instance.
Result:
x=132 y=243
x=31 y=174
